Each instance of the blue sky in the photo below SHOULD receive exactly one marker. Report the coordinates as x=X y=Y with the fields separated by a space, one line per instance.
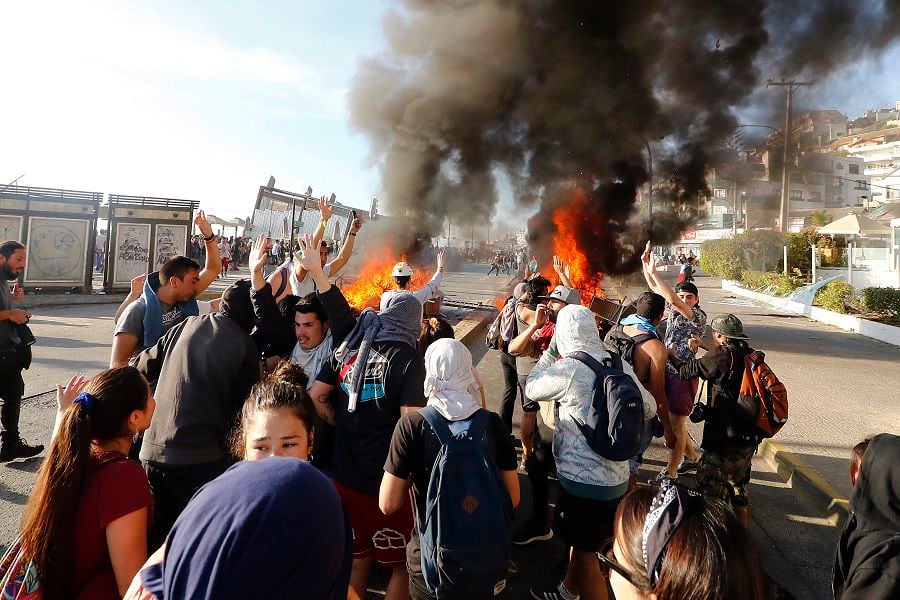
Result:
x=205 y=100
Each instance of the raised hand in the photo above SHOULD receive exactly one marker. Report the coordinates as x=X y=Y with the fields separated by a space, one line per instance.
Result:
x=202 y=224
x=308 y=256
x=440 y=260
x=557 y=265
x=356 y=225
x=259 y=253
x=137 y=285
x=65 y=396
x=17 y=292
x=325 y=208
x=645 y=257
x=541 y=315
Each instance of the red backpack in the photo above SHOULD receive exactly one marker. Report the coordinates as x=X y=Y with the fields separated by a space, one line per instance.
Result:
x=762 y=406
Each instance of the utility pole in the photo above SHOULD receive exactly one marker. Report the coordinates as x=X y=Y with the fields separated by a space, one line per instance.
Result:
x=791 y=87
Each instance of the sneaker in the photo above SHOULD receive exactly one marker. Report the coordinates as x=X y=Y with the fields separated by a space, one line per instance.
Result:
x=533 y=532
x=19 y=449
x=687 y=466
x=551 y=593
x=661 y=476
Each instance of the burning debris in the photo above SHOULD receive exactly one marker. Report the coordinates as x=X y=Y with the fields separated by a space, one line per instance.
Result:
x=567 y=100
x=375 y=278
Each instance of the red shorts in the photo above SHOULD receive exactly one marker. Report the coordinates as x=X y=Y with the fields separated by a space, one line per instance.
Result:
x=373 y=532
x=680 y=394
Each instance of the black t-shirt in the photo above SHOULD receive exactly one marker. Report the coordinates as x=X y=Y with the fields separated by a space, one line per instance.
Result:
x=394 y=377
x=415 y=447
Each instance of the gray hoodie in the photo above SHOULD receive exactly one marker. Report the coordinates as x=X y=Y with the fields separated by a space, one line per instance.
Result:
x=570 y=384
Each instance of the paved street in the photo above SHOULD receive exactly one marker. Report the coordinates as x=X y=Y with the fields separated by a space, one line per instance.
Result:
x=842 y=386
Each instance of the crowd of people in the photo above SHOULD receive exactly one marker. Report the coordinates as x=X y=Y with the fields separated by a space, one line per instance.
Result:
x=283 y=445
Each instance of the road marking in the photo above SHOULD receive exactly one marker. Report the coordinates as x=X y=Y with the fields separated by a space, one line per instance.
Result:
x=736 y=302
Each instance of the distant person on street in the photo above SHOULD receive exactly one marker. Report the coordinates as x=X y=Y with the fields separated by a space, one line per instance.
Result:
x=15 y=353
x=202 y=369
x=402 y=274
x=85 y=524
x=724 y=468
x=495 y=265
x=684 y=319
x=225 y=254
x=163 y=299
x=99 y=250
x=867 y=561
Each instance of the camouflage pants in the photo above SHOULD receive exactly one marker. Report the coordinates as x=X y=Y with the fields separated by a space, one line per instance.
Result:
x=724 y=473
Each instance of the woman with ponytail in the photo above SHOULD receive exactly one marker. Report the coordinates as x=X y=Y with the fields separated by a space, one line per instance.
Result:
x=85 y=524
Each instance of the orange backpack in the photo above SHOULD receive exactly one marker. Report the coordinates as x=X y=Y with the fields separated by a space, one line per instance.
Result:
x=762 y=406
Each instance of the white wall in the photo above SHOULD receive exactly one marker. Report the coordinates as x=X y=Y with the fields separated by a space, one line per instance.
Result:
x=862 y=278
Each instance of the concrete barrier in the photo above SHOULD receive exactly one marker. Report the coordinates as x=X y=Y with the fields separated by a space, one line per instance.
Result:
x=878 y=331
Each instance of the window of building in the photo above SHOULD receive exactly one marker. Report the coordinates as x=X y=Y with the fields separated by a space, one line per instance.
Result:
x=720 y=193
x=816 y=196
x=861 y=185
x=853 y=169
x=796 y=195
x=718 y=209
x=840 y=166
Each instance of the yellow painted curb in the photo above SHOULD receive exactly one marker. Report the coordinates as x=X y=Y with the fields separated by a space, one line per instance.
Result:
x=803 y=477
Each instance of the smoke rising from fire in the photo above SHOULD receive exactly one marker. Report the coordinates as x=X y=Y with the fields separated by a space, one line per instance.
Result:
x=563 y=97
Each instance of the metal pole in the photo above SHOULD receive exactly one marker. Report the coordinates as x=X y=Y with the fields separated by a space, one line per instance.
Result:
x=734 y=212
x=850 y=264
x=814 y=256
x=293 y=210
x=785 y=183
x=650 y=188
x=785 y=179
x=785 y=260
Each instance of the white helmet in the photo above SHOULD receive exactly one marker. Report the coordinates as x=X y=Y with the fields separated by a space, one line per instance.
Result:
x=401 y=269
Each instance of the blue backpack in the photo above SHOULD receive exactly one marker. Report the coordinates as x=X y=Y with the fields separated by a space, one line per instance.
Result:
x=465 y=536
x=615 y=422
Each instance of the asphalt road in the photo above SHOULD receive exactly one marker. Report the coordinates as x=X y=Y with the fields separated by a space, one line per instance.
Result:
x=842 y=386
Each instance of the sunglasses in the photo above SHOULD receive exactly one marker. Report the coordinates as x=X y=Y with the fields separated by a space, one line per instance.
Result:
x=608 y=563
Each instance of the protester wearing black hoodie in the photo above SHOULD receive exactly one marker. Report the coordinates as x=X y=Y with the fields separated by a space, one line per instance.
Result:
x=202 y=371
x=867 y=561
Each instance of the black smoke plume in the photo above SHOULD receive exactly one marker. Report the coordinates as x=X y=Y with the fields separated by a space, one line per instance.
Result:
x=563 y=98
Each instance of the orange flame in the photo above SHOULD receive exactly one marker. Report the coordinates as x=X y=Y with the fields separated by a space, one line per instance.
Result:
x=375 y=278
x=568 y=219
x=499 y=302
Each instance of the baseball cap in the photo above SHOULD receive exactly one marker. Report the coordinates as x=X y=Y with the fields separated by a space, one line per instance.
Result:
x=729 y=326
x=563 y=294
x=687 y=286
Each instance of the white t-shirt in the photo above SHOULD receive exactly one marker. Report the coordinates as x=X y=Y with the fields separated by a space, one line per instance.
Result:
x=307 y=286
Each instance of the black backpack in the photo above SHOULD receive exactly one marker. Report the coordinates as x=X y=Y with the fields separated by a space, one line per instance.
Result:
x=614 y=426
x=623 y=344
